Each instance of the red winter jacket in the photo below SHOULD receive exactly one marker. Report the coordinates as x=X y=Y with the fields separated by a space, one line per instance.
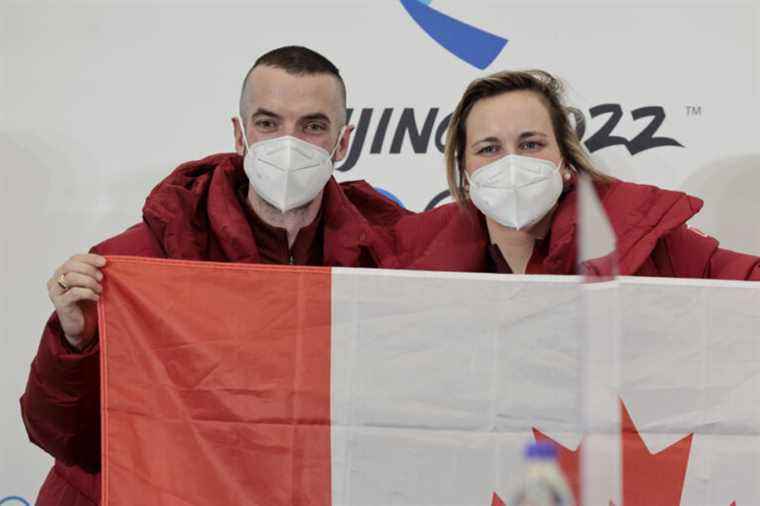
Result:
x=193 y=214
x=652 y=237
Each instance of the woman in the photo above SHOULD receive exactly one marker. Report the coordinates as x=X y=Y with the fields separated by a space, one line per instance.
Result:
x=513 y=160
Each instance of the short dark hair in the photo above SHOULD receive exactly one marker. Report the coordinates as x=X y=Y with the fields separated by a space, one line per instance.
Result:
x=296 y=60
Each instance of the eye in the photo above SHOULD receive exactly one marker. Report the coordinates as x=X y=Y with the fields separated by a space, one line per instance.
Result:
x=315 y=127
x=488 y=149
x=265 y=124
x=531 y=145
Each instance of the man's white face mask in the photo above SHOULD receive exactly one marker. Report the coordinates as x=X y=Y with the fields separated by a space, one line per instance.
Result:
x=516 y=191
x=286 y=171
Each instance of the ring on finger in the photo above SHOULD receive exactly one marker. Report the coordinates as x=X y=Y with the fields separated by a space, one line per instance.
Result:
x=62 y=282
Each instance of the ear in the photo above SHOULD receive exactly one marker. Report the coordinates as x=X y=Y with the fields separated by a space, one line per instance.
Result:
x=464 y=184
x=237 y=132
x=567 y=171
x=343 y=143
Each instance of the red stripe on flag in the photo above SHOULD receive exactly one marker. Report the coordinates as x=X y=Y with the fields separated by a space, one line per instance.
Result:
x=215 y=383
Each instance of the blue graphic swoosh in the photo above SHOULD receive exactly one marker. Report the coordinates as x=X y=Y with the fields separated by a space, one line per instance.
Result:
x=469 y=43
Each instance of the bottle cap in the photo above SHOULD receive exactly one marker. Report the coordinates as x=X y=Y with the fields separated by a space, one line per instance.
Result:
x=542 y=451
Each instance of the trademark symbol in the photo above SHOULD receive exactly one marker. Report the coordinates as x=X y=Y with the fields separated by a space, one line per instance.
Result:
x=694 y=110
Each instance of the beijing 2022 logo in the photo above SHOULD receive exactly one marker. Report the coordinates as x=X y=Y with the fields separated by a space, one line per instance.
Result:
x=393 y=130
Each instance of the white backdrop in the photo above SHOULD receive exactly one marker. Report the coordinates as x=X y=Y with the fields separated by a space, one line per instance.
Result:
x=100 y=100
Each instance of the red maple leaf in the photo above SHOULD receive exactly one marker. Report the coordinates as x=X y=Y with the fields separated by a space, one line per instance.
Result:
x=649 y=479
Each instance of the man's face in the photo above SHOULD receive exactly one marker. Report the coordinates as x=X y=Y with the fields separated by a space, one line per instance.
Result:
x=309 y=107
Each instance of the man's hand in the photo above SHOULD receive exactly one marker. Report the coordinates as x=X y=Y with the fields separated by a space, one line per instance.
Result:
x=74 y=286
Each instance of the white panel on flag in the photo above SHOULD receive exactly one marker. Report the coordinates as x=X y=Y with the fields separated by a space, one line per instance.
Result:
x=439 y=380
x=691 y=353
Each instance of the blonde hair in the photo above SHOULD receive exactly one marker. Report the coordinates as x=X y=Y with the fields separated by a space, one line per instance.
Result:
x=549 y=89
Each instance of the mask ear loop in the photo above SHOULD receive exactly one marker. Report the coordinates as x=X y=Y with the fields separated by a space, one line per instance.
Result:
x=337 y=143
x=245 y=137
x=464 y=178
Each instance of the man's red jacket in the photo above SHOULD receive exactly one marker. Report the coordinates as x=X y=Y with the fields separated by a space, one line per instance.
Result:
x=193 y=214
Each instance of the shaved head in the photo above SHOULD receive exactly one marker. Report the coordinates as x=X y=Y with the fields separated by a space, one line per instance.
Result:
x=296 y=61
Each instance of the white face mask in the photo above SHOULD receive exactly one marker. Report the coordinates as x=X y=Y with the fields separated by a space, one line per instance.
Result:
x=516 y=191
x=286 y=171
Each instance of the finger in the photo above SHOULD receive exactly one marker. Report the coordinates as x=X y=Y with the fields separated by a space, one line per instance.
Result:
x=54 y=290
x=75 y=279
x=78 y=294
x=54 y=286
x=90 y=258
x=81 y=268
x=54 y=293
x=56 y=296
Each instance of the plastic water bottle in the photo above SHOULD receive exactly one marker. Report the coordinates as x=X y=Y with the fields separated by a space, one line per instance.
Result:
x=543 y=483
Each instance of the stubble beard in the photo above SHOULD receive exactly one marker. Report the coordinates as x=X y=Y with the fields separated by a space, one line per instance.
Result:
x=292 y=220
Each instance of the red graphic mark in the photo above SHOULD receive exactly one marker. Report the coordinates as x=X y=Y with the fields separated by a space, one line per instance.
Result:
x=648 y=479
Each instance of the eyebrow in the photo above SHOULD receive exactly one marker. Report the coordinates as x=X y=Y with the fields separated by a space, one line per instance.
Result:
x=525 y=135
x=308 y=117
x=316 y=116
x=264 y=112
x=487 y=139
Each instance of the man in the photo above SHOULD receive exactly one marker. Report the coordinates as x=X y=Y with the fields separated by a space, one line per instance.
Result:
x=274 y=201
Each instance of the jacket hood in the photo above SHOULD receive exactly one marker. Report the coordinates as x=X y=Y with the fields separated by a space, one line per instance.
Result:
x=639 y=215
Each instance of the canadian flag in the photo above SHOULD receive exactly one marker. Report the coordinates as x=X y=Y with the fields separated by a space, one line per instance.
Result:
x=253 y=385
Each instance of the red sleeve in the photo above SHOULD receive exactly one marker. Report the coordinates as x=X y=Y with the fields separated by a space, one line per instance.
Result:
x=61 y=404
x=726 y=264
x=686 y=252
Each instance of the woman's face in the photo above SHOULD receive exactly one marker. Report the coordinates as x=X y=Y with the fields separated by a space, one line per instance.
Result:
x=513 y=123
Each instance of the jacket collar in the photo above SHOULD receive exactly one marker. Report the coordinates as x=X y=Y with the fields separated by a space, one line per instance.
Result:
x=195 y=214
x=348 y=235
x=454 y=237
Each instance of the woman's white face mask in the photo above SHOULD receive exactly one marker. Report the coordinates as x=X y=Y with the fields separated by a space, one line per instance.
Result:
x=516 y=191
x=286 y=171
